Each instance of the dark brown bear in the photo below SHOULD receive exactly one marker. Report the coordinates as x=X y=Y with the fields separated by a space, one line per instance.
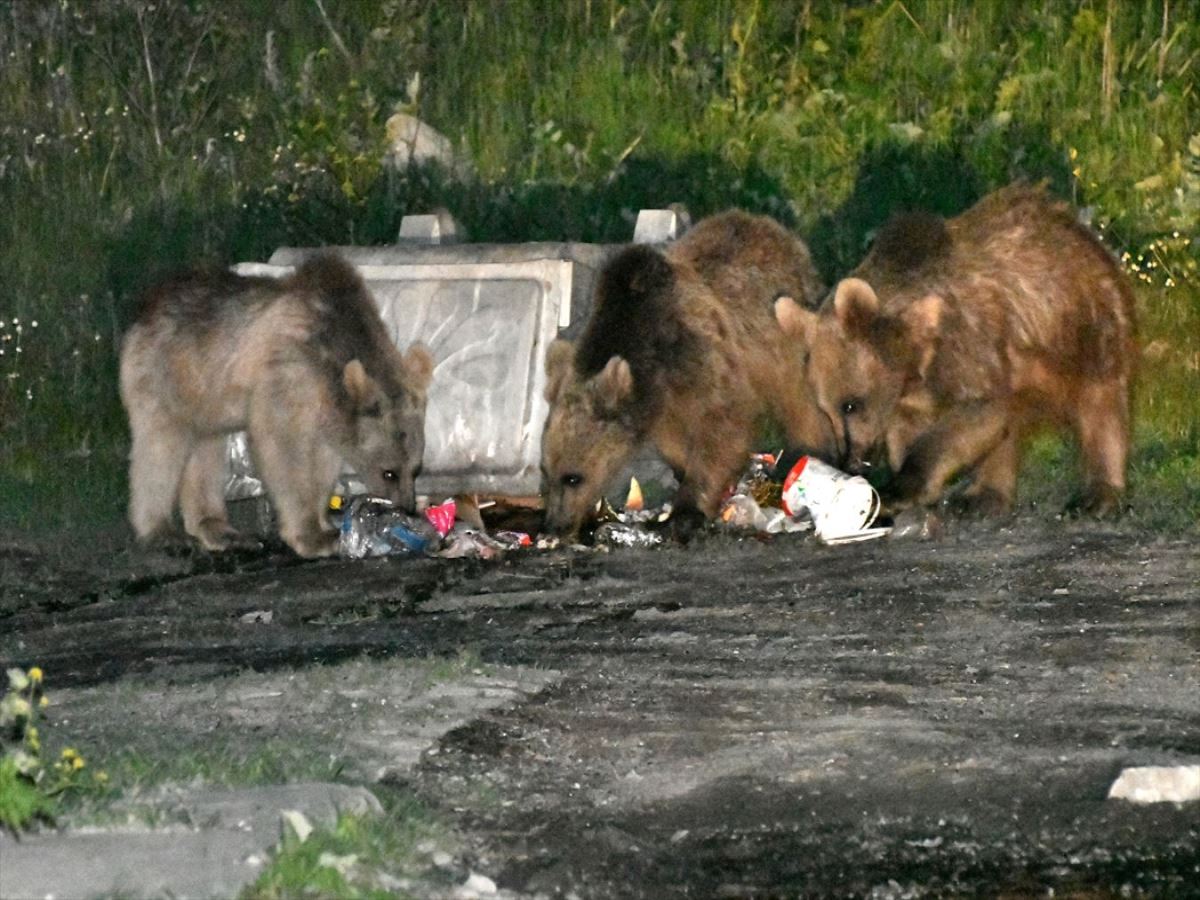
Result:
x=682 y=350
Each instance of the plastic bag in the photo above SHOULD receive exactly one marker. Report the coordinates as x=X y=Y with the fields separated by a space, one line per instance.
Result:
x=374 y=527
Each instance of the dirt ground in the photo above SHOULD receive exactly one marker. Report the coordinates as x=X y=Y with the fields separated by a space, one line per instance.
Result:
x=741 y=717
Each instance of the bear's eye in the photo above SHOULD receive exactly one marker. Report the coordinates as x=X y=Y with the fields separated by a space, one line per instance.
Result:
x=850 y=407
x=390 y=475
x=572 y=480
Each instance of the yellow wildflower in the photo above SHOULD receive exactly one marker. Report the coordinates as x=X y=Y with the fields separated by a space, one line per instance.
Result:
x=35 y=675
x=43 y=702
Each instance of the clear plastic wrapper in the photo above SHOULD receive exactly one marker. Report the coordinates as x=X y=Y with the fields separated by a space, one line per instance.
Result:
x=464 y=540
x=744 y=511
x=374 y=527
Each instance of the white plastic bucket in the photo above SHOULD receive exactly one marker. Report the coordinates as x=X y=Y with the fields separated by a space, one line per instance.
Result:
x=841 y=505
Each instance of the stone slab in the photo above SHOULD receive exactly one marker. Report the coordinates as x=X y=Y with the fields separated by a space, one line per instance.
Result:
x=215 y=844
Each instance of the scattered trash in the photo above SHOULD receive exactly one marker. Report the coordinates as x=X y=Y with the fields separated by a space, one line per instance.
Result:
x=866 y=534
x=755 y=501
x=1157 y=784
x=842 y=506
x=374 y=527
x=466 y=541
x=628 y=528
x=442 y=516
x=742 y=510
x=627 y=534
x=513 y=540
x=634 y=501
x=258 y=617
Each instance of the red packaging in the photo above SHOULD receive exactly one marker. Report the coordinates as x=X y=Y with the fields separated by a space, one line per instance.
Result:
x=442 y=516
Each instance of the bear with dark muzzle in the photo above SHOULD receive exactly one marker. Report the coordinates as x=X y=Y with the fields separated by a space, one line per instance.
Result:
x=952 y=339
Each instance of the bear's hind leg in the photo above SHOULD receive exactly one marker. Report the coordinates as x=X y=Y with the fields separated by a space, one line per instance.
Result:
x=157 y=457
x=1102 y=426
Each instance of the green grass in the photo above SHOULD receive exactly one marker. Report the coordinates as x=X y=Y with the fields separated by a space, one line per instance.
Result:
x=270 y=762
x=21 y=803
x=136 y=139
x=347 y=861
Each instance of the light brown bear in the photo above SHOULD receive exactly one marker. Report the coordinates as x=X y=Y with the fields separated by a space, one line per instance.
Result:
x=304 y=364
x=682 y=350
x=954 y=338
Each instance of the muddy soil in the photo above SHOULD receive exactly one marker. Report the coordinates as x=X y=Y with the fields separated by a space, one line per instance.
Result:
x=737 y=718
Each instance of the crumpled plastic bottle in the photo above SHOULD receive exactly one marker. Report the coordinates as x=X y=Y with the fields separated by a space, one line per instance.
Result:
x=374 y=527
x=743 y=511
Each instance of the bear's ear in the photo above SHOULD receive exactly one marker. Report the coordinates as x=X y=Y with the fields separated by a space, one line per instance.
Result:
x=922 y=323
x=560 y=358
x=418 y=366
x=795 y=320
x=855 y=305
x=361 y=387
x=612 y=387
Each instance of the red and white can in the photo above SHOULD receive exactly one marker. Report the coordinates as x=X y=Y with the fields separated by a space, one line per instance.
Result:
x=840 y=505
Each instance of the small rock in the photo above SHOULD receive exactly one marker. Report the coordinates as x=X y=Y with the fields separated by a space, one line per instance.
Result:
x=391 y=883
x=476 y=886
x=442 y=859
x=917 y=523
x=1157 y=784
x=413 y=142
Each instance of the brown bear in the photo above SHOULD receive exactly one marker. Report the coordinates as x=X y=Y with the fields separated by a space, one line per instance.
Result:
x=952 y=339
x=304 y=364
x=682 y=350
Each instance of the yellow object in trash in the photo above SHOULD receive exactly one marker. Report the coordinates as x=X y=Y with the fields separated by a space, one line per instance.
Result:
x=634 y=500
